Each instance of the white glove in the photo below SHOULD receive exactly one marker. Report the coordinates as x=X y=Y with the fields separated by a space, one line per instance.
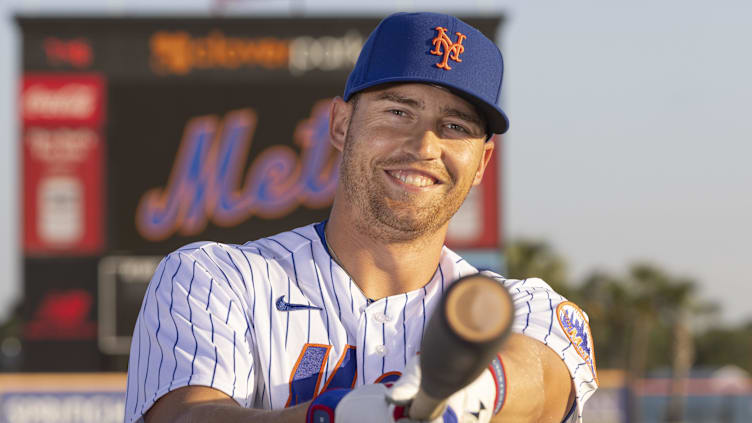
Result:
x=472 y=404
x=378 y=403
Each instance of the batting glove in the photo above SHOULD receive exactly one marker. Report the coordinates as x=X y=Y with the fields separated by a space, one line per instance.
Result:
x=475 y=403
x=380 y=403
x=364 y=404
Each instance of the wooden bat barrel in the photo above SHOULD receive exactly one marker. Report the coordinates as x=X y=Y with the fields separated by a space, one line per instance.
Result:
x=462 y=337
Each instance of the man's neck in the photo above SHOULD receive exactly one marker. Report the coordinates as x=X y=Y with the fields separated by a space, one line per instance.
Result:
x=379 y=267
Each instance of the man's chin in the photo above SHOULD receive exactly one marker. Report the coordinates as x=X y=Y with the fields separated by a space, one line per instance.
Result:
x=411 y=226
x=405 y=220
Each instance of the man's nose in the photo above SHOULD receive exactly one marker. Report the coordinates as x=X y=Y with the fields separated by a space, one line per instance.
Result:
x=424 y=145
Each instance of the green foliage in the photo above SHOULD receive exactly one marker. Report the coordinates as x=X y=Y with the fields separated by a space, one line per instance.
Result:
x=720 y=346
x=634 y=316
x=529 y=258
x=12 y=325
x=606 y=301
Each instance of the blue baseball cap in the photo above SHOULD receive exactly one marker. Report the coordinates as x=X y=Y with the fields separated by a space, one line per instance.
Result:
x=436 y=49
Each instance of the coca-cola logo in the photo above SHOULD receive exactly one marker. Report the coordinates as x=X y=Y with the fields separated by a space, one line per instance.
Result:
x=71 y=101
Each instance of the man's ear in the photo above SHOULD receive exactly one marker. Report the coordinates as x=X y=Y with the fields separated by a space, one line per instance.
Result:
x=340 y=113
x=488 y=149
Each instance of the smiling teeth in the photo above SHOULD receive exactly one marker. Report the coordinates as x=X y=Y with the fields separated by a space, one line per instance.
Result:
x=412 y=178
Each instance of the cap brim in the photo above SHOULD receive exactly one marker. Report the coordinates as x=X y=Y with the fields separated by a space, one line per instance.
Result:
x=496 y=119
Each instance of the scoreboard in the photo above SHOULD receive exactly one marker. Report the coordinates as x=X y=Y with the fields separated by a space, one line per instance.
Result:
x=140 y=135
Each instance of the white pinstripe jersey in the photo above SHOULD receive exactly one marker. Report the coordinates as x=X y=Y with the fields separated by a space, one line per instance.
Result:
x=241 y=319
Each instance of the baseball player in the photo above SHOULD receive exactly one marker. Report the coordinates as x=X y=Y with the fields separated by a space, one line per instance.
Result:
x=324 y=323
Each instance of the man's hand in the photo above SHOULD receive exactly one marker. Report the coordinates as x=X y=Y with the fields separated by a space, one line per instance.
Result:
x=379 y=403
x=472 y=404
x=364 y=404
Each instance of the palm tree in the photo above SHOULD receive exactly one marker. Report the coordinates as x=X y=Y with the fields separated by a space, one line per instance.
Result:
x=632 y=317
x=607 y=300
x=629 y=314
x=662 y=298
x=526 y=258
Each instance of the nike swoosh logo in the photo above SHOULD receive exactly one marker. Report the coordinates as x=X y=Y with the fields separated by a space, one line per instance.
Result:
x=283 y=305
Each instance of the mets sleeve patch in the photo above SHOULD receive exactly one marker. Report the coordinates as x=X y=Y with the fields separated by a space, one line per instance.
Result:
x=575 y=326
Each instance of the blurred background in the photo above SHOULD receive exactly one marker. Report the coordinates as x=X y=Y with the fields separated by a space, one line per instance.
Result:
x=131 y=128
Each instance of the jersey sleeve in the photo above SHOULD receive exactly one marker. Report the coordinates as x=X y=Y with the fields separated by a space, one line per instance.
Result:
x=543 y=314
x=192 y=329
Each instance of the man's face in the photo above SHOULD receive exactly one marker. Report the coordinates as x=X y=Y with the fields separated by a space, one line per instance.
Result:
x=411 y=154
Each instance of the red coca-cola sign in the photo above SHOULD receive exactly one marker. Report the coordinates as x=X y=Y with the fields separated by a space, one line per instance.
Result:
x=63 y=190
x=53 y=99
x=63 y=163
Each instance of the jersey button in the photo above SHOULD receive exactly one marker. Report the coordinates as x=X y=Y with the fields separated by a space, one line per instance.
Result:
x=381 y=350
x=362 y=309
x=381 y=318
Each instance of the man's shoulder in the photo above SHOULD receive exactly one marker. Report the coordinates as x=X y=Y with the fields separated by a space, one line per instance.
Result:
x=461 y=266
x=273 y=247
x=464 y=267
x=282 y=246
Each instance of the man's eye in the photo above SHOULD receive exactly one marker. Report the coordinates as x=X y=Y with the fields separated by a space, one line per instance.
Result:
x=457 y=127
x=397 y=112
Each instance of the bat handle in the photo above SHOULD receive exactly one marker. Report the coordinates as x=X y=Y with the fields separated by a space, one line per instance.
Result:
x=425 y=407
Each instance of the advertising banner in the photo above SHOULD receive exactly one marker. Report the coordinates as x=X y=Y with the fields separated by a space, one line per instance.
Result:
x=62 y=398
x=63 y=162
x=60 y=314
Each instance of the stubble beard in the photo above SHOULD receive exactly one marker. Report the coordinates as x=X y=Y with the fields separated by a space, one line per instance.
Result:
x=400 y=221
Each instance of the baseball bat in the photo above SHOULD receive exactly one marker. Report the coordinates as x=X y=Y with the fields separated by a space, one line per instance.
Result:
x=462 y=337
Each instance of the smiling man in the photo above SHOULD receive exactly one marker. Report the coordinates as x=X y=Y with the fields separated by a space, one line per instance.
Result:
x=324 y=322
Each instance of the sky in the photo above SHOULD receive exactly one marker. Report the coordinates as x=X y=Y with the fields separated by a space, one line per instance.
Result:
x=629 y=137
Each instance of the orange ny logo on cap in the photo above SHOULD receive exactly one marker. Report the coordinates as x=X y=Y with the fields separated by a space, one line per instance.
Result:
x=442 y=45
